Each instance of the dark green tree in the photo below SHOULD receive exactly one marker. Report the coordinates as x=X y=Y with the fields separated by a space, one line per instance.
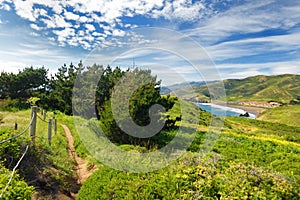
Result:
x=17 y=88
x=61 y=86
x=84 y=92
x=135 y=93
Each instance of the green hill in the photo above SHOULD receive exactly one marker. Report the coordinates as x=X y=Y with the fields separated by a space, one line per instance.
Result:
x=252 y=159
x=281 y=88
x=286 y=115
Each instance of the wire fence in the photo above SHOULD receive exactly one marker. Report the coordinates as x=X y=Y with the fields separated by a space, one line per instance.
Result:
x=21 y=133
x=32 y=125
x=13 y=171
x=42 y=119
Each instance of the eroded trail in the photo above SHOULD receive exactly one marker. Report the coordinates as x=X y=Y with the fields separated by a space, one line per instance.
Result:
x=81 y=165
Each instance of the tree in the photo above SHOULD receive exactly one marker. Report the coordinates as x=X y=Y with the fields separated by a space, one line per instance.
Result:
x=84 y=99
x=107 y=81
x=60 y=88
x=17 y=88
x=6 y=82
x=126 y=115
x=25 y=84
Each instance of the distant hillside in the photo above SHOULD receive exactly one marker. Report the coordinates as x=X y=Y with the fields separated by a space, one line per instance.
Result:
x=281 y=88
x=180 y=86
x=289 y=115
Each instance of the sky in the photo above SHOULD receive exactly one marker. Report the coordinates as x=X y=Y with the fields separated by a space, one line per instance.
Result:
x=193 y=40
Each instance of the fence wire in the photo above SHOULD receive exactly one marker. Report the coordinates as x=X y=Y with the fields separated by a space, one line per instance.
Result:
x=41 y=119
x=13 y=172
x=18 y=135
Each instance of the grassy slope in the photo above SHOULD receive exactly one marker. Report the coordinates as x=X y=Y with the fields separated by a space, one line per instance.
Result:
x=286 y=115
x=281 y=88
x=270 y=148
x=47 y=167
x=266 y=144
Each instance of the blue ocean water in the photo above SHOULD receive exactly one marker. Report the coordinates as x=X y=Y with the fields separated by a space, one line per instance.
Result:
x=223 y=110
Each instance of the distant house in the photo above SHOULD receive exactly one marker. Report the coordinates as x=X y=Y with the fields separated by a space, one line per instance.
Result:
x=275 y=104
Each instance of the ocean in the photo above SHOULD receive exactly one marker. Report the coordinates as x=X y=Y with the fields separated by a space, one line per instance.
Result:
x=223 y=110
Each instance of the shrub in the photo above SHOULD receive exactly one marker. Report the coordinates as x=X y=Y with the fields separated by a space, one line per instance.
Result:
x=18 y=188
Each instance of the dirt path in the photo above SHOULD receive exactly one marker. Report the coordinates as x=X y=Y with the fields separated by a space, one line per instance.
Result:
x=81 y=165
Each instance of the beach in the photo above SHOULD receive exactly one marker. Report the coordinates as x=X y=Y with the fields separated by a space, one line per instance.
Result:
x=250 y=109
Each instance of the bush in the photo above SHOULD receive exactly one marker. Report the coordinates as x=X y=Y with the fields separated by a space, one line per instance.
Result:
x=9 y=155
x=10 y=150
x=18 y=188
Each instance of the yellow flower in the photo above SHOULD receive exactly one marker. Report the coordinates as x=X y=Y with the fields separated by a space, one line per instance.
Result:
x=185 y=176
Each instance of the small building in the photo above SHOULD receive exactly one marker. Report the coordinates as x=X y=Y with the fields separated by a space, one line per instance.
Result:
x=275 y=104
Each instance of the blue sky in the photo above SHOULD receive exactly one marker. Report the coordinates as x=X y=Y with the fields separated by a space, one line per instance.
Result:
x=239 y=38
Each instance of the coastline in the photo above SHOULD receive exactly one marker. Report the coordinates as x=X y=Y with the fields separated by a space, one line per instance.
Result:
x=250 y=109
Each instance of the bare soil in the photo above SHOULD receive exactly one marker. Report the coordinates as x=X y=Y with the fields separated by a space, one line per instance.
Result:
x=81 y=166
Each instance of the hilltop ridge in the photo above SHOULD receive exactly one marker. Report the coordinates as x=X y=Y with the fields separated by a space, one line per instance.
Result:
x=283 y=88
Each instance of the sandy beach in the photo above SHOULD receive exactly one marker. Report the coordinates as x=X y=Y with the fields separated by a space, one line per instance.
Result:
x=250 y=109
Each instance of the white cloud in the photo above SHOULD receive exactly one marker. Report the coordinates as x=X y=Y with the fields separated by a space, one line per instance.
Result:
x=73 y=41
x=84 y=19
x=81 y=33
x=39 y=12
x=64 y=34
x=5 y=7
x=255 y=46
x=57 y=8
x=97 y=34
x=85 y=44
x=89 y=38
x=24 y=9
x=56 y=21
x=215 y=24
x=183 y=10
x=117 y=32
x=90 y=27
x=268 y=68
x=35 y=34
x=71 y=16
x=33 y=52
x=107 y=14
x=286 y=68
x=107 y=32
x=35 y=27
x=250 y=17
x=49 y=23
x=10 y=66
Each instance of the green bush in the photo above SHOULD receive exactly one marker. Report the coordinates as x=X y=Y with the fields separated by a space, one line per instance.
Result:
x=18 y=188
x=10 y=150
x=9 y=155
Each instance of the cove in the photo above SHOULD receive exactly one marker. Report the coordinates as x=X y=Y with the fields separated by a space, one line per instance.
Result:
x=219 y=110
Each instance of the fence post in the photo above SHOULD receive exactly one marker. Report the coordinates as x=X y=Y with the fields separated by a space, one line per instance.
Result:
x=44 y=114
x=54 y=124
x=33 y=123
x=16 y=126
x=49 y=131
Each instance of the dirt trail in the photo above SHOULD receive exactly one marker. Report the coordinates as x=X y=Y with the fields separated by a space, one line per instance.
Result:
x=81 y=165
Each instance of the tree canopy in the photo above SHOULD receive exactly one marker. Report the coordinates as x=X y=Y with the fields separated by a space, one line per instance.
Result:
x=118 y=98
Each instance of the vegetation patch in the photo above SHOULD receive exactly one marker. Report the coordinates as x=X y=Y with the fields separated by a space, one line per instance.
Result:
x=191 y=178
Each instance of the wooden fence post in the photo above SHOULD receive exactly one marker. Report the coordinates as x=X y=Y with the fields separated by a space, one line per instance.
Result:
x=33 y=122
x=16 y=126
x=54 y=124
x=49 y=131
x=44 y=114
